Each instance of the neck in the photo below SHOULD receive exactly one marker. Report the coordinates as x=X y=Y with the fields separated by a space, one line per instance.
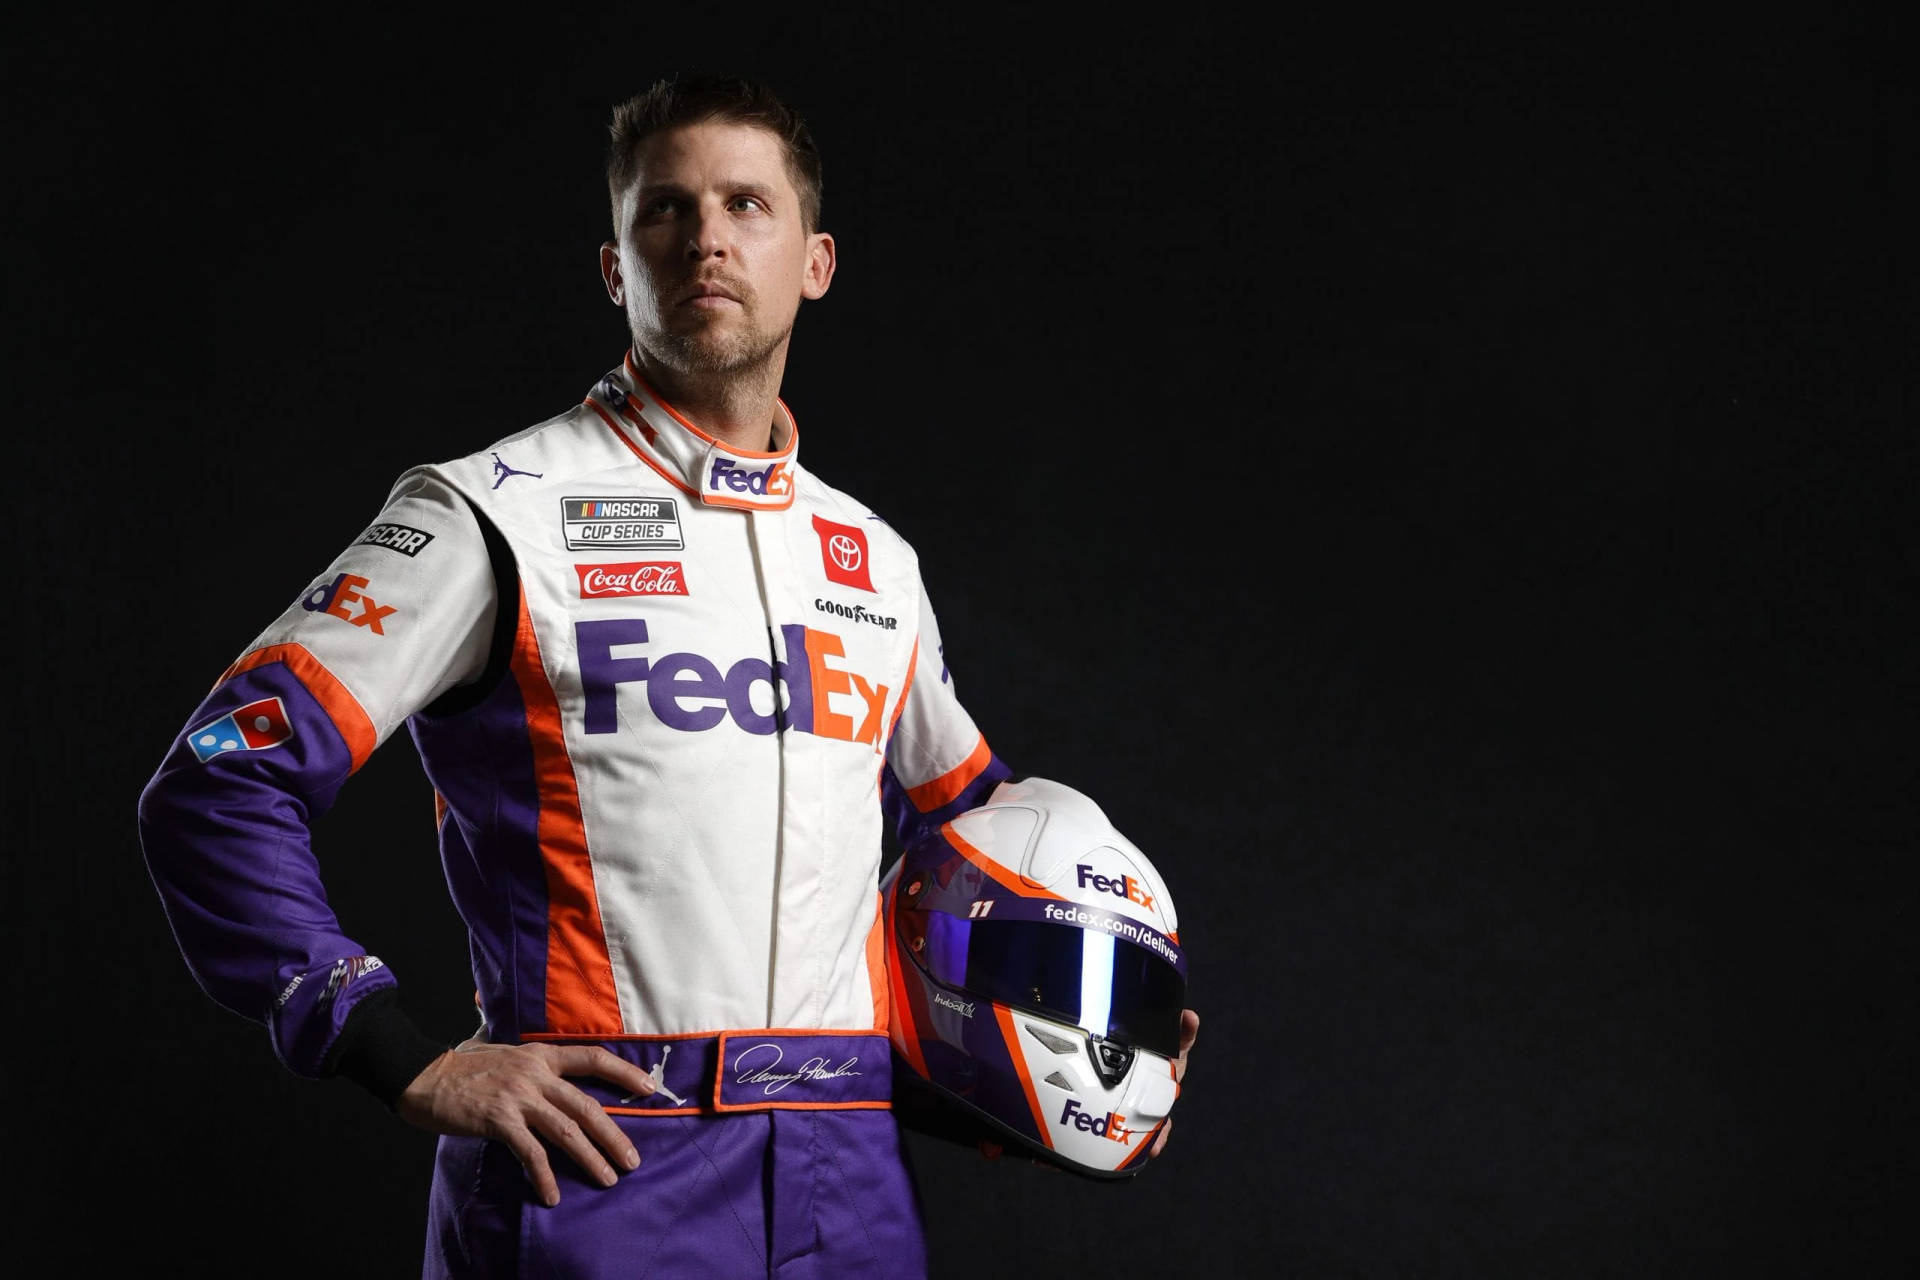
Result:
x=734 y=405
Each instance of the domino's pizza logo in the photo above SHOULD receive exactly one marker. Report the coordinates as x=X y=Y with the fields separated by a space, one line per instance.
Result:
x=254 y=727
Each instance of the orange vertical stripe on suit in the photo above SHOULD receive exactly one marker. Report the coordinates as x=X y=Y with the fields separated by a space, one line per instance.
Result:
x=580 y=993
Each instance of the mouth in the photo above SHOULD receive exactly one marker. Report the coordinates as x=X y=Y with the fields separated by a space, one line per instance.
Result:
x=709 y=296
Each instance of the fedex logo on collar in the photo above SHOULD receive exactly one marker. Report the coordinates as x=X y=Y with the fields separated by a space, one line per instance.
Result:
x=690 y=692
x=770 y=481
x=1119 y=886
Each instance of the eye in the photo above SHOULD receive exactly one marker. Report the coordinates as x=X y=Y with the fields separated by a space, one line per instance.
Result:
x=747 y=203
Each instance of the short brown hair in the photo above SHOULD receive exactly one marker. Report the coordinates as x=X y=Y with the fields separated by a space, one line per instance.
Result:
x=696 y=99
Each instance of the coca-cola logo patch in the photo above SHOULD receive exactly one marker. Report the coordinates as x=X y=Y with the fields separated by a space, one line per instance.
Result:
x=635 y=578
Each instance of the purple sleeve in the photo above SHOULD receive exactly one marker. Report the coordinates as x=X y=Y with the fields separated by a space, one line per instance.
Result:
x=906 y=820
x=224 y=828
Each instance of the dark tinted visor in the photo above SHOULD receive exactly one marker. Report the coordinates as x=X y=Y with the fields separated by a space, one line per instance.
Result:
x=1106 y=985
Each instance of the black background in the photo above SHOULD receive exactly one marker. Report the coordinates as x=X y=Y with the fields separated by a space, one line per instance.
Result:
x=1446 y=490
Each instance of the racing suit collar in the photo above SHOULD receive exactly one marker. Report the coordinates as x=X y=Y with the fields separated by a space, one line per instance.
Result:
x=708 y=469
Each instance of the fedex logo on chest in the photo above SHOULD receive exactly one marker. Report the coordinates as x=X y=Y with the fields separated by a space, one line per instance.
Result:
x=811 y=689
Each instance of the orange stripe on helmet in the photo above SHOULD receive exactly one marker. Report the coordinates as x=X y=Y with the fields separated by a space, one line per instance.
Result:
x=1006 y=877
x=1012 y=1035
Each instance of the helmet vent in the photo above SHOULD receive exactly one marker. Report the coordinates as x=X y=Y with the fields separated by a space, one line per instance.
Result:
x=1111 y=1060
x=1059 y=1081
x=1059 y=1044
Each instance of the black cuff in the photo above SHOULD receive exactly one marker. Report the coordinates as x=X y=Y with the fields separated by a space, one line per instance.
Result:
x=380 y=1048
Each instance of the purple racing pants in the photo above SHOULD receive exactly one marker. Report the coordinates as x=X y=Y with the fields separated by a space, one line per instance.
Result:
x=761 y=1155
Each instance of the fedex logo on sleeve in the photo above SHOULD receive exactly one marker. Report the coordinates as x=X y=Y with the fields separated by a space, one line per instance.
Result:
x=346 y=589
x=808 y=690
x=1119 y=886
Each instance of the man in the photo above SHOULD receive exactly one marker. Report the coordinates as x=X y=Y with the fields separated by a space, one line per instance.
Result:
x=668 y=686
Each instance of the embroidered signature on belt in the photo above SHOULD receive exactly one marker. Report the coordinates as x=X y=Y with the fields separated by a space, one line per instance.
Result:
x=762 y=1071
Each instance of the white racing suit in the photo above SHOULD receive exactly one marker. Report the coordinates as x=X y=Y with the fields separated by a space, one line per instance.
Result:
x=667 y=693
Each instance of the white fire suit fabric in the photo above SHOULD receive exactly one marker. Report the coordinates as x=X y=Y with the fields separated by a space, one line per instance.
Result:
x=667 y=692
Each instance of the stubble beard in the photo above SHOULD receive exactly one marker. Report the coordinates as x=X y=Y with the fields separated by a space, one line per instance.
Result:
x=709 y=351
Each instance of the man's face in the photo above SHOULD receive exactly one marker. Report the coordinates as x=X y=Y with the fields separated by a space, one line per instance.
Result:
x=713 y=256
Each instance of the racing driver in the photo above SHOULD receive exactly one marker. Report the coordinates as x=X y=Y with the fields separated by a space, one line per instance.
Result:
x=668 y=686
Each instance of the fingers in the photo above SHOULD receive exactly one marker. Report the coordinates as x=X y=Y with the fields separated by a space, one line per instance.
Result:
x=533 y=1158
x=560 y=1123
x=591 y=1060
x=592 y=1131
x=1189 y=1032
x=564 y=1123
x=1160 y=1143
x=573 y=1122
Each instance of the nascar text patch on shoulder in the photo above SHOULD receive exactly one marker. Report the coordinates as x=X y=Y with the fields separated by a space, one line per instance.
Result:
x=395 y=537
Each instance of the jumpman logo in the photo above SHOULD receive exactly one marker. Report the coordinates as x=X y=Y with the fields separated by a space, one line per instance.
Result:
x=658 y=1076
x=502 y=471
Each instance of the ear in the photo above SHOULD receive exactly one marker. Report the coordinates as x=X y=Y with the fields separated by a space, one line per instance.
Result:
x=610 y=272
x=820 y=262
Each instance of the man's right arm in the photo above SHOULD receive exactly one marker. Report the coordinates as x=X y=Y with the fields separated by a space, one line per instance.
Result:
x=398 y=617
x=403 y=615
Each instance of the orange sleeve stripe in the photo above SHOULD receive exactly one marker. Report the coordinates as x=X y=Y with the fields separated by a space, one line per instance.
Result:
x=341 y=706
x=946 y=788
x=1019 y=1056
x=580 y=989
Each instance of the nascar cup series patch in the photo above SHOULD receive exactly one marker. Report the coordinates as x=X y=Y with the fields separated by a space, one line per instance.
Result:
x=593 y=523
x=254 y=727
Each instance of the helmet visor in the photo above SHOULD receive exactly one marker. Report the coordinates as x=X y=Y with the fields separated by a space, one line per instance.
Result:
x=1106 y=985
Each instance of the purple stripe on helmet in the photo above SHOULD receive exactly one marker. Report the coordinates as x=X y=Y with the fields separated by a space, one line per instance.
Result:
x=998 y=904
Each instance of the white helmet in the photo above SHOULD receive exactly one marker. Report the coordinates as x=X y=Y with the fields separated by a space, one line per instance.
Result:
x=1037 y=976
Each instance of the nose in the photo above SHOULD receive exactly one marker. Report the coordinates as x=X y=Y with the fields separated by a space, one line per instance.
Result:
x=707 y=234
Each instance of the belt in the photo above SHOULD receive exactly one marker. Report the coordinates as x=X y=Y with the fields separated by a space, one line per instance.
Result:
x=726 y=1071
